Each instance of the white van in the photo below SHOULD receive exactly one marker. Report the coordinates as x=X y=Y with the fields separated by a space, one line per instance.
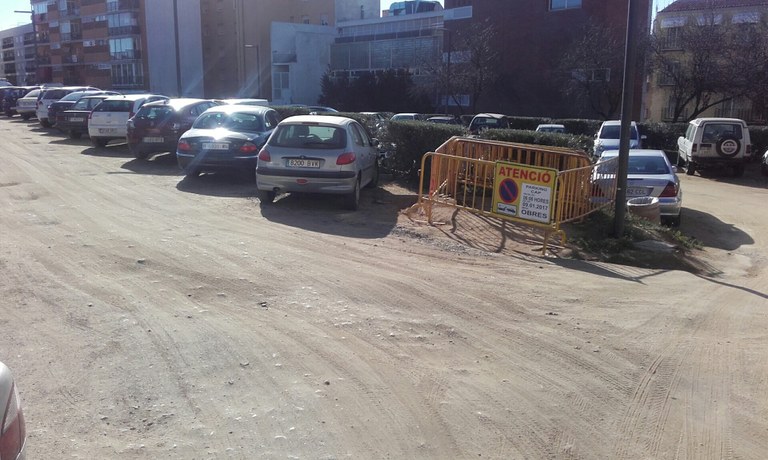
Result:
x=608 y=135
x=715 y=143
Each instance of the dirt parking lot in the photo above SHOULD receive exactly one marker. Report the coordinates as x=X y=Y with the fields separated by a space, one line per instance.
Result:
x=150 y=316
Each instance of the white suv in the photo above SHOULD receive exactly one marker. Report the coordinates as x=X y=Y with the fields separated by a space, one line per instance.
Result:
x=109 y=120
x=715 y=143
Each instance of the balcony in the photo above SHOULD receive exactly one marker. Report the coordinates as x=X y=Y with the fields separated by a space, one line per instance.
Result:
x=127 y=81
x=69 y=13
x=128 y=54
x=122 y=5
x=124 y=30
x=68 y=37
x=7 y=44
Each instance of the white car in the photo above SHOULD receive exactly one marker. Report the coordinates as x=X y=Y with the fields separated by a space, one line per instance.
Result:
x=764 y=164
x=608 y=136
x=109 y=120
x=26 y=106
x=318 y=154
x=13 y=434
x=650 y=174
x=550 y=128
x=715 y=143
x=51 y=95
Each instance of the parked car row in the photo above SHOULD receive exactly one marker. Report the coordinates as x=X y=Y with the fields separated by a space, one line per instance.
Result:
x=309 y=153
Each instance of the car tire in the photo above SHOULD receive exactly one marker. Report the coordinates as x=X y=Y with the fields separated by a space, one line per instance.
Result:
x=45 y=123
x=728 y=146
x=375 y=179
x=266 y=197
x=674 y=221
x=137 y=152
x=690 y=169
x=75 y=134
x=352 y=200
x=26 y=117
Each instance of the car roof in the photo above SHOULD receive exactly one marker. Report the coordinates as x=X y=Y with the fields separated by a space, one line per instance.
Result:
x=615 y=123
x=319 y=119
x=489 y=115
x=550 y=125
x=636 y=153
x=239 y=108
x=131 y=97
x=175 y=103
x=717 y=119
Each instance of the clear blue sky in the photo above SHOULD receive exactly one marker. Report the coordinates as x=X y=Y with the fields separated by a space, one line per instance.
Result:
x=9 y=19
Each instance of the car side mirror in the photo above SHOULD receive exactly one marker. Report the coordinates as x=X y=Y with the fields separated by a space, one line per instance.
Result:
x=374 y=142
x=674 y=169
x=643 y=137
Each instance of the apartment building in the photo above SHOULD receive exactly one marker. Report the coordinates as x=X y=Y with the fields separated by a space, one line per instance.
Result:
x=670 y=27
x=18 y=55
x=531 y=39
x=110 y=43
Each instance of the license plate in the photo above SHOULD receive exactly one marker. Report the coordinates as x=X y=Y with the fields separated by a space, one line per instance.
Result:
x=151 y=140
x=216 y=145
x=77 y=119
x=302 y=163
x=637 y=191
x=107 y=130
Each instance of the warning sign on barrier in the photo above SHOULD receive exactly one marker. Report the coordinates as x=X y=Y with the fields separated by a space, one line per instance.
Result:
x=524 y=192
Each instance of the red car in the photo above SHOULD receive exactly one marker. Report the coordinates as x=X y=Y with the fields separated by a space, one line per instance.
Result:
x=13 y=434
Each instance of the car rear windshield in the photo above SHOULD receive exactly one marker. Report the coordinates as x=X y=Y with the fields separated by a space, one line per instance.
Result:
x=309 y=136
x=614 y=132
x=86 y=103
x=154 y=113
x=54 y=94
x=235 y=121
x=650 y=165
x=713 y=132
x=33 y=93
x=114 y=106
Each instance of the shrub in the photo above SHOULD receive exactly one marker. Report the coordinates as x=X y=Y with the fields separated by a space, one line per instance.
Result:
x=576 y=142
x=412 y=139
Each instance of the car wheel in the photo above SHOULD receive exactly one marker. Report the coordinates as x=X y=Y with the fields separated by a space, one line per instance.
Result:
x=75 y=134
x=45 y=123
x=266 y=197
x=353 y=199
x=738 y=170
x=690 y=169
x=375 y=179
x=137 y=152
x=26 y=117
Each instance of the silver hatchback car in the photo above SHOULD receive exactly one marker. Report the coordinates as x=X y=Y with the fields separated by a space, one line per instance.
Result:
x=318 y=154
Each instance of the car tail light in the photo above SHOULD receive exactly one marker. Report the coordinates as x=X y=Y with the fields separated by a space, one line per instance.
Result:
x=248 y=147
x=14 y=432
x=265 y=156
x=346 y=158
x=669 y=191
x=183 y=146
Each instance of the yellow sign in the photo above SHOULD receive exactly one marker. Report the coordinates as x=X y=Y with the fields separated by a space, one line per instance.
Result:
x=524 y=192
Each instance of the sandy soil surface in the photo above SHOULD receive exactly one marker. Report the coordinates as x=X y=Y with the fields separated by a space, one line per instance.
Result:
x=151 y=316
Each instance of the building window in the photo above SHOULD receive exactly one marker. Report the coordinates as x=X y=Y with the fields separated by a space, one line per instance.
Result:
x=556 y=5
x=670 y=38
x=667 y=74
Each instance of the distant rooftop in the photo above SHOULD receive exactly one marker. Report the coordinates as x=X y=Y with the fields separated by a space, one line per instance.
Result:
x=693 y=5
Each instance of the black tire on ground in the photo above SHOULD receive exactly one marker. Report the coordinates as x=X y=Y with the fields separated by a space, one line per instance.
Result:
x=674 y=221
x=98 y=142
x=266 y=197
x=375 y=179
x=352 y=200
x=137 y=152
x=738 y=170
x=45 y=123
x=75 y=134
x=690 y=168
x=26 y=117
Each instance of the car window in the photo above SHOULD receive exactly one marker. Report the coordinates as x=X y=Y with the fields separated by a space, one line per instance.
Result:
x=271 y=119
x=713 y=132
x=363 y=134
x=73 y=96
x=114 y=106
x=244 y=122
x=647 y=165
x=154 y=113
x=33 y=93
x=309 y=137
x=614 y=132
x=356 y=136
x=54 y=94
x=83 y=104
x=690 y=132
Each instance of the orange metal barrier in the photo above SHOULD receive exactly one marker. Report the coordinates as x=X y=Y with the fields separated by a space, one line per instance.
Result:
x=461 y=175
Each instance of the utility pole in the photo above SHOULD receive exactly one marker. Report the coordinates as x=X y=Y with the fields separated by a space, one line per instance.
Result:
x=627 y=100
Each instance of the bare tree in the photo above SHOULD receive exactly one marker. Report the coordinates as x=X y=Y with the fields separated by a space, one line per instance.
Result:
x=591 y=70
x=708 y=61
